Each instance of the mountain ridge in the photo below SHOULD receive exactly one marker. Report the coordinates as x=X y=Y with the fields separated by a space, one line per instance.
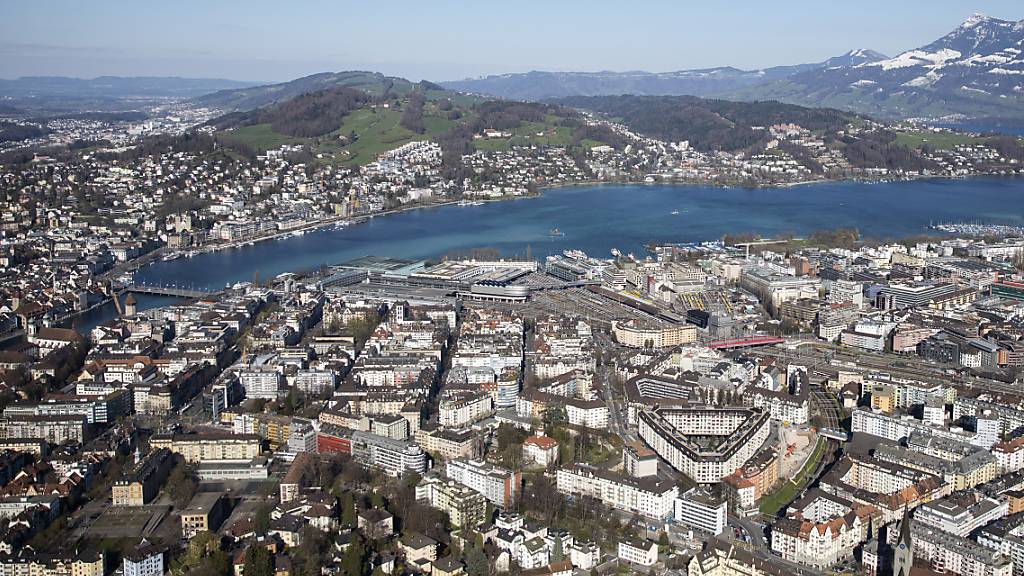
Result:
x=703 y=82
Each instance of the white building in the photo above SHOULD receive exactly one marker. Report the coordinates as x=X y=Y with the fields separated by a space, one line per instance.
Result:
x=540 y=450
x=584 y=555
x=699 y=509
x=458 y=411
x=648 y=497
x=260 y=384
x=639 y=552
x=146 y=560
x=498 y=485
x=739 y=433
x=587 y=413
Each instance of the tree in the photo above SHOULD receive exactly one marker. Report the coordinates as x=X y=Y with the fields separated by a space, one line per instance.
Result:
x=348 y=509
x=261 y=522
x=556 y=550
x=354 y=561
x=180 y=485
x=476 y=562
x=258 y=562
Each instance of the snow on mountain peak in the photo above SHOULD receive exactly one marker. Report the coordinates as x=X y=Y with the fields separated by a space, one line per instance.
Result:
x=974 y=20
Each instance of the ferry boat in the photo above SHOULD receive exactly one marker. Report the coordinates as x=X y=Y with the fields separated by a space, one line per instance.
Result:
x=171 y=256
x=556 y=232
x=675 y=212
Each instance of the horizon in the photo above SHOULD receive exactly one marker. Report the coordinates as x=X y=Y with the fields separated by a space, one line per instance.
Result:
x=268 y=43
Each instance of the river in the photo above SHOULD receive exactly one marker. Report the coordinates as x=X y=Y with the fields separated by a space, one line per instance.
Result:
x=596 y=219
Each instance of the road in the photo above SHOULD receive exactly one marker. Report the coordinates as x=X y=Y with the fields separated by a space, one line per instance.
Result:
x=616 y=420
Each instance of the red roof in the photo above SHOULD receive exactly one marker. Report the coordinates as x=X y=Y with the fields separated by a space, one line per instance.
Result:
x=543 y=442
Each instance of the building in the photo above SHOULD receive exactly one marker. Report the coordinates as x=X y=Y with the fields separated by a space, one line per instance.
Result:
x=638 y=460
x=265 y=384
x=896 y=296
x=649 y=497
x=500 y=486
x=960 y=514
x=448 y=444
x=892 y=427
x=638 y=552
x=540 y=450
x=204 y=513
x=144 y=560
x=142 y=484
x=394 y=457
x=644 y=335
x=773 y=288
x=376 y=523
x=701 y=510
x=195 y=448
x=465 y=507
x=821 y=529
x=295 y=479
x=673 y=433
x=458 y=411
x=957 y=555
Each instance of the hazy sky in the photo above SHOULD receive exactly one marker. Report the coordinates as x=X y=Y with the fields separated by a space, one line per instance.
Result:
x=445 y=40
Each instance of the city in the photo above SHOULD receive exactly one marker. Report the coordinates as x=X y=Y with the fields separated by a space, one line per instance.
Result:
x=603 y=324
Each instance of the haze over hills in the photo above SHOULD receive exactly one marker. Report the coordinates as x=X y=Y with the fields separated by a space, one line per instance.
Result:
x=114 y=86
x=538 y=85
x=61 y=94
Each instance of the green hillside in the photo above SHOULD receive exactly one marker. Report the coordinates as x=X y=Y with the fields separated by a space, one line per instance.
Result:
x=351 y=126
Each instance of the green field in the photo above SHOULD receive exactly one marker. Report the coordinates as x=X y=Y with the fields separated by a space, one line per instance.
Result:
x=937 y=140
x=529 y=134
x=260 y=137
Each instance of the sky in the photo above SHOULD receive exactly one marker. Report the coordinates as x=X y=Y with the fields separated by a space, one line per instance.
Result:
x=437 y=40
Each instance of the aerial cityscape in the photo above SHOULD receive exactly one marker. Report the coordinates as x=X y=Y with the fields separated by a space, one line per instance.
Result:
x=332 y=290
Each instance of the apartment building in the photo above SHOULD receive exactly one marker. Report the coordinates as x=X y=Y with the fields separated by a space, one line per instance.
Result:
x=500 y=486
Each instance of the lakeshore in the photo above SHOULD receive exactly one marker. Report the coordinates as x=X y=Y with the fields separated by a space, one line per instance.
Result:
x=598 y=218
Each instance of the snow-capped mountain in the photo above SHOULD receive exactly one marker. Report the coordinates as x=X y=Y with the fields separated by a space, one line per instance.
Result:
x=854 y=58
x=976 y=70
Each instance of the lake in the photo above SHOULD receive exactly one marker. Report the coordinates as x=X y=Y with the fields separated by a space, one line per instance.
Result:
x=596 y=219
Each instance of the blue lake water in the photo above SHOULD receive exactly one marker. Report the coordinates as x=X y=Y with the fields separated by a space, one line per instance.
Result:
x=596 y=219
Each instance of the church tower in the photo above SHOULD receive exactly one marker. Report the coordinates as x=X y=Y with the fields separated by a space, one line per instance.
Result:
x=903 y=552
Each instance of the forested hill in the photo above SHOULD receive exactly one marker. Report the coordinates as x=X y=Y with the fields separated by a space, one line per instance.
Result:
x=352 y=126
x=709 y=124
x=258 y=96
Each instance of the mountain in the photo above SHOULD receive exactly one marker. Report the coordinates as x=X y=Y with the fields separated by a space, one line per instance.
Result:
x=854 y=58
x=263 y=95
x=976 y=71
x=113 y=87
x=704 y=82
